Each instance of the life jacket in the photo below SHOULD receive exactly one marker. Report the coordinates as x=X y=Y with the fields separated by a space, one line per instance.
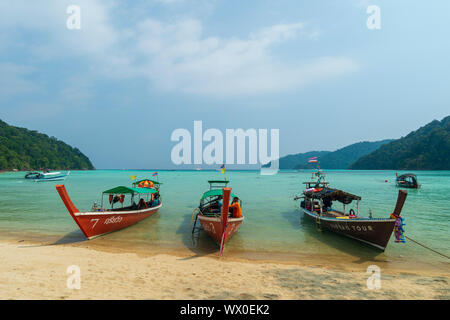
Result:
x=237 y=211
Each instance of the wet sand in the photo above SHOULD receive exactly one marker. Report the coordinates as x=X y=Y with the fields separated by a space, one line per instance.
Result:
x=37 y=270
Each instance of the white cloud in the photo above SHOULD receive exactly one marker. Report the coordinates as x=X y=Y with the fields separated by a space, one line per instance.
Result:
x=178 y=58
x=173 y=57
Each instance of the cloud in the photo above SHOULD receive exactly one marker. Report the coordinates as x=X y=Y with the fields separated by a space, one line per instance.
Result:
x=178 y=58
x=172 y=56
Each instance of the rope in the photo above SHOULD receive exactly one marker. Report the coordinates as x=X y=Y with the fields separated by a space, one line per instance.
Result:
x=193 y=213
x=420 y=244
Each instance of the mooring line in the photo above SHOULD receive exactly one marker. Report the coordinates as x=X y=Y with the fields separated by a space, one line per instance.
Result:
x=420 y=244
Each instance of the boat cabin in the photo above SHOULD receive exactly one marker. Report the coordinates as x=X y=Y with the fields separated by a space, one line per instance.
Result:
x=139 y=198
x=320 y=201
x=211 y=200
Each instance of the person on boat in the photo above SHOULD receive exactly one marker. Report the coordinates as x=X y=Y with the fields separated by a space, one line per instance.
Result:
x=142 y=204
x=327 y=203
x=351 y=214
x=236 y=208
x=155 y=197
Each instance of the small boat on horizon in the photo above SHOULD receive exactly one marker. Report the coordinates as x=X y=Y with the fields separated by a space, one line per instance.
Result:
x=407 y=180
x=213 y=213
x=317 y=204
x=100 y=221
x=46 y=176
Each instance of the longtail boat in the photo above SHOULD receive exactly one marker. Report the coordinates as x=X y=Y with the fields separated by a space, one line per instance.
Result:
x=213 y=213
x=145 y=201
x=317 y=204
x=407 y=180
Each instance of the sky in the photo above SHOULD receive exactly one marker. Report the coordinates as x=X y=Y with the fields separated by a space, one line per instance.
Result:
x=137 y=70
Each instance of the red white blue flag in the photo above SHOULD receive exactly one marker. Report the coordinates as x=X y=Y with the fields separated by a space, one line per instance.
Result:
x=155 y=174
x=312 y=160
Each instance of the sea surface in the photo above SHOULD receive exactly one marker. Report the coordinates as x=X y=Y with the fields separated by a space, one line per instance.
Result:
x=273 y=222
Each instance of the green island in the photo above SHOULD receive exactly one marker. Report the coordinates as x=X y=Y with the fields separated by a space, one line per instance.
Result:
x=427 y=148
x=24 y=149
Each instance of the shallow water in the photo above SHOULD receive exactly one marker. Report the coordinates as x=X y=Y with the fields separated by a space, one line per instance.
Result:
x=273 y=222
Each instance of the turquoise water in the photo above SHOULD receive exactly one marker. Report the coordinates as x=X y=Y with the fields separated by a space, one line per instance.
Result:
x=273 y=222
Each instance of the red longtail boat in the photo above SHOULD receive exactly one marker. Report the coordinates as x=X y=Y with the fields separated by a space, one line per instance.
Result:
x=213 y=213
x=100 y=221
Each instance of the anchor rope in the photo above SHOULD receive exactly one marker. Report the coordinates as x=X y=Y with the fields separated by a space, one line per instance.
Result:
x=420 y=244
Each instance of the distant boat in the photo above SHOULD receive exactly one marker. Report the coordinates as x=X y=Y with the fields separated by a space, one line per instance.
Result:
x=216 y=220
x=50 y=176
x=317 y=204
x=407 y=180
x=100 y=221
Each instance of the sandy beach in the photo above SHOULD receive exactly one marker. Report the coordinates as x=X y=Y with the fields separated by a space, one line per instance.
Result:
x=39 y=271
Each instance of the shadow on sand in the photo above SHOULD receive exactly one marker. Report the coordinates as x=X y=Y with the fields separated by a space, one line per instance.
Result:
x=72 y=237
x=198 y=241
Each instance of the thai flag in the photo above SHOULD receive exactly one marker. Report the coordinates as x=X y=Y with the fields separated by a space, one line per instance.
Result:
x=155 y=174
x=312 y=160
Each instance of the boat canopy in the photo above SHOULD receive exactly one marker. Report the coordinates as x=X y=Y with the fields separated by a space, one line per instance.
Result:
x=143 y=180
x=215 y=192
x=126 y=190
x=218 y=181
x=332 y=194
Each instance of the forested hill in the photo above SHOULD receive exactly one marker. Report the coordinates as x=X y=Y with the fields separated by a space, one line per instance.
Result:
x=344 y=157
x=24 y=149
x=427 y=148
x=339 y=159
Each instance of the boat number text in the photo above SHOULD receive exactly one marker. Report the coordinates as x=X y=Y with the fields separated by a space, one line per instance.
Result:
x=107 y=221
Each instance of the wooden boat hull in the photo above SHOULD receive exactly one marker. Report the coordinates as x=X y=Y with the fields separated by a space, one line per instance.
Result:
x=214 y=228
x=375 y=232
x=94 y=224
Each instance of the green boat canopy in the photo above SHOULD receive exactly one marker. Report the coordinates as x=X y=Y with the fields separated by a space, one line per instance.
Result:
x=215 y=192
x=126 y=190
